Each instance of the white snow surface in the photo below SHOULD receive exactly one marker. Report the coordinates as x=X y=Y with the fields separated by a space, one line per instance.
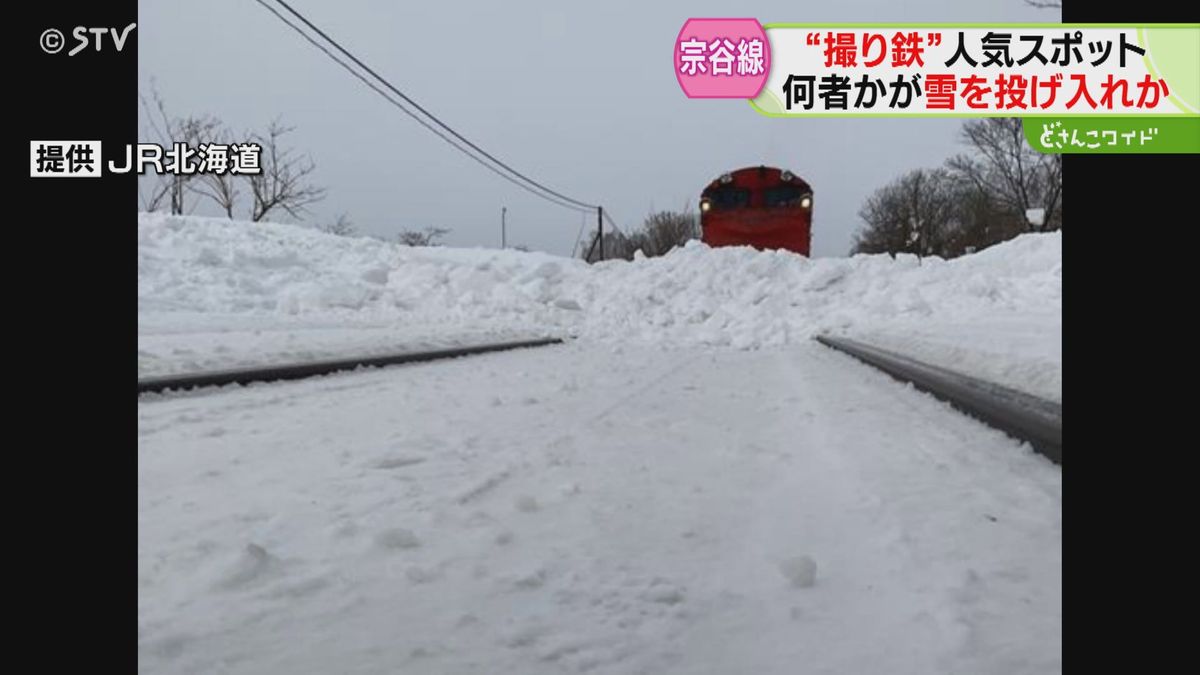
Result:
x=575 y=509
x=691 y=485
x=217 y=293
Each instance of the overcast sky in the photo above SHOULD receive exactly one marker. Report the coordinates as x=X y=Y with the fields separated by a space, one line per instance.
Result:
x=580 y=96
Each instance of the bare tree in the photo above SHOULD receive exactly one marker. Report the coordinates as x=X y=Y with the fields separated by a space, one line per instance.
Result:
x=661 y=232
x=221 y=188
x=283 y=182
x=171 y=189
x=430 y=236
x=160 y=122
x=1014 y=175
x=979 y=221
x=914 y=214
x=665 y=230
x=617 y=246
x=341 y=227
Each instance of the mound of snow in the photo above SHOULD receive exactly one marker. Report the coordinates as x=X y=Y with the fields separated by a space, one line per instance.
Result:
x=210 y=273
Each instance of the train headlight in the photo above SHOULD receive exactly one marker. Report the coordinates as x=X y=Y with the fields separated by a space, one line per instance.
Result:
x=786 y=175
x=705 y=205
x=726 y=178
x=806 y=202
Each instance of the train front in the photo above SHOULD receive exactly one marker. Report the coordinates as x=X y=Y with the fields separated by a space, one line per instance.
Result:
x=763 y=207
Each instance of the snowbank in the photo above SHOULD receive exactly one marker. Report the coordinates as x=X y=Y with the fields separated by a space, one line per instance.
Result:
x=219 y=277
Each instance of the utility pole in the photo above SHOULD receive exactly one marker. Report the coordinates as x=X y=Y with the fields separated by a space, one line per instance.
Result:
x=503 y=232
x=600 y=222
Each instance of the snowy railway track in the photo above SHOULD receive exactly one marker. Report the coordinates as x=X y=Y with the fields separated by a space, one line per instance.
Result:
x=481 y=517
x=1026 y=417
x=297 y=371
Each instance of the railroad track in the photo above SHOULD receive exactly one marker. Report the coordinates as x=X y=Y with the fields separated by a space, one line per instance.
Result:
x=1026 y=417
x=1021 y=415
x=297 y=371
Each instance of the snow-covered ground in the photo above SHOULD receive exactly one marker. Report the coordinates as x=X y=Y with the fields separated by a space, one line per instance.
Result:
x=583 y=509
x=214 y=292
x=170 y=343
x=688 y=485
x=1021 y=352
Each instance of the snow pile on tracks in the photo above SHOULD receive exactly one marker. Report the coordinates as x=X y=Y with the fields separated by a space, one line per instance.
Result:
x=694 y=295
x=207 y=274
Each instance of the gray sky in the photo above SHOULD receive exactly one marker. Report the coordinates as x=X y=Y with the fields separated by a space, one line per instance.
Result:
x=580 y=96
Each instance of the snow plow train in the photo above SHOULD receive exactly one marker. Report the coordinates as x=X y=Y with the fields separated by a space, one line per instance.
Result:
x=763 y=207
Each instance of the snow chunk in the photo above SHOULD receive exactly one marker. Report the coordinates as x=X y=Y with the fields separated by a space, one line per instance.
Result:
x=800 y=571
x=250 y=566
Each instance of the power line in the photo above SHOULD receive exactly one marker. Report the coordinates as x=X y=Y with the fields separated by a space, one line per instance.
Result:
x=411 y=114
x=546 y=193
x=408 y=112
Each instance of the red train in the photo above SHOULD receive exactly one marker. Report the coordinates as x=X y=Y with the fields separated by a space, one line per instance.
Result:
x=758 y=206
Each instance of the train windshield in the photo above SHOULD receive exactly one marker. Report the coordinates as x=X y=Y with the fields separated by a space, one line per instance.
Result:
x=785 y=195
x=729 y=198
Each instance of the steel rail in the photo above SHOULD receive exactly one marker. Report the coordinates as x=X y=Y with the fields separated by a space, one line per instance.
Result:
x=1023 y=416
x=297 y=371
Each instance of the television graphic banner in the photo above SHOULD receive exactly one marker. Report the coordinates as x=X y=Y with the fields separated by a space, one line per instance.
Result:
x=1080 y=88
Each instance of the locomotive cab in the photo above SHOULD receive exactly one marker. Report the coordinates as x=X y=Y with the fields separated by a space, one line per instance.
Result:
x=762 y=207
